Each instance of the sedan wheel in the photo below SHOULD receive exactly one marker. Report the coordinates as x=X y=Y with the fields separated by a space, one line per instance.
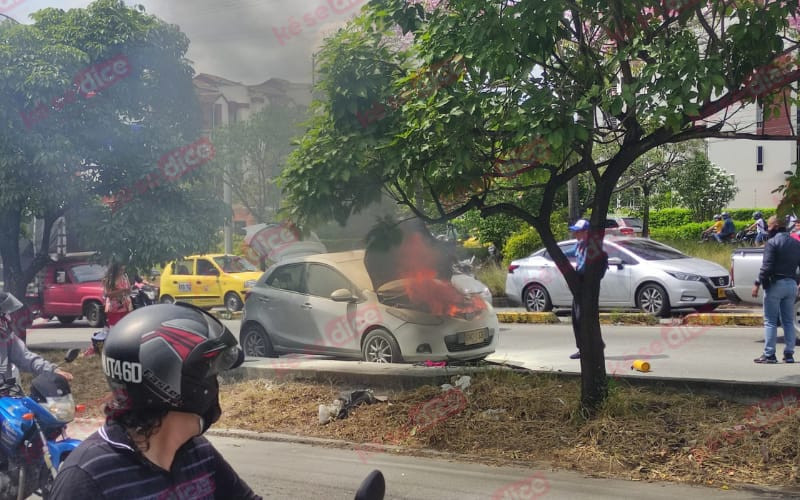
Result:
x=167 y=299
x=537 y=299
x=255 y=342
x=653 y=299
x=232 y=302
x=381 y=347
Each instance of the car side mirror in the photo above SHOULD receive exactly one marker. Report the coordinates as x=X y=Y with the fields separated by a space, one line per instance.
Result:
x=615 y=261
x=342 y=295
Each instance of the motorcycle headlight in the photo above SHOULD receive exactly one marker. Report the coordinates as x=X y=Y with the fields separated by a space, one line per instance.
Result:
x=61 y=407
x=250 y=283
x=684 y=276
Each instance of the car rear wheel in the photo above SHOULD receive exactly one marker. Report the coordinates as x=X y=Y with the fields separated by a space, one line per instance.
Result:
x=232 y=302
x=93 y=312
x=537 y=299
x=653 y=299
x=381 y=347
x=255 y=342
x=167 y=299
x=66 y=320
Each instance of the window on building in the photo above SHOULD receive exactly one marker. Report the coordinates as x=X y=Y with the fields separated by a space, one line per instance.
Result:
x=759 y=113
x=759 y=158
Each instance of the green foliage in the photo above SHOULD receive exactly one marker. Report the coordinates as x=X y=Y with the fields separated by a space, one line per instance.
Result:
x=493 y=276
x=689 y=232
x=526 y=241
x=252 y=154
x=702 y=187
x=86 y=148
x=746 y=214
x=670 y=217
x=495 y=229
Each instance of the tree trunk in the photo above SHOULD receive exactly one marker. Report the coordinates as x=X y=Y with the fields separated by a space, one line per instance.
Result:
x=646 y=210
x=594 y=386
x=10 y=221
x=573 y=200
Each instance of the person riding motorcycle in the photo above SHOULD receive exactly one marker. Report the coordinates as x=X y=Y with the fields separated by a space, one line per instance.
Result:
x=760 y=225
x=14 y=352
x=728 y=229
x=715 y=228
x=161 y=363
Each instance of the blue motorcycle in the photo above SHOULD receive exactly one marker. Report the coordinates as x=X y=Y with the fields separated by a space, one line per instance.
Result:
x=33 y=441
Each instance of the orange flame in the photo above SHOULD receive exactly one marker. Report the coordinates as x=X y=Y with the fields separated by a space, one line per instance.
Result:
x=418 y=264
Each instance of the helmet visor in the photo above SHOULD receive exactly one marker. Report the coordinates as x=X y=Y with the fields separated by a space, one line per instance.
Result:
x=223 y=350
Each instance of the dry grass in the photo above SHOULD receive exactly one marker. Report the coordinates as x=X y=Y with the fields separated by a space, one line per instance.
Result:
x=639 y=434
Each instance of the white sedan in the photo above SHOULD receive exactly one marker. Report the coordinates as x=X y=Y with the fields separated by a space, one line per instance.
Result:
x=642 y=273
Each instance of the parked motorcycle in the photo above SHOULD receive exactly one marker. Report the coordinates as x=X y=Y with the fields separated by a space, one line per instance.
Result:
x=143 y=295
x=33 y=440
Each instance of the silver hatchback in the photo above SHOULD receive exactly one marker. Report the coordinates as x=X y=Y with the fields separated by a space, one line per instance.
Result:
x=642 y=273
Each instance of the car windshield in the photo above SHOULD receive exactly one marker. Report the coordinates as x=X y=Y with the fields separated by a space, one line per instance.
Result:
x=650 y=250
x=88 y=272
x=233 y=264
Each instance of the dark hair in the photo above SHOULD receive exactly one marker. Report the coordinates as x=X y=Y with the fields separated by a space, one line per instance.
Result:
x=140 y=423
x=110 y=279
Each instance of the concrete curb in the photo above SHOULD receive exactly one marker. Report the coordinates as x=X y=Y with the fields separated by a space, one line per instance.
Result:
x=713 y=319
x=724 y=319
x=403 y=377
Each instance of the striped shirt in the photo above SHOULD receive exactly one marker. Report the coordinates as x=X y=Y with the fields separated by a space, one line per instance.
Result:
x=108 y=466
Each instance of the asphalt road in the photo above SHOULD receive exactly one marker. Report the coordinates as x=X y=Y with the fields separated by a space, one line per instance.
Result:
x=673 y=351
x=289 y=470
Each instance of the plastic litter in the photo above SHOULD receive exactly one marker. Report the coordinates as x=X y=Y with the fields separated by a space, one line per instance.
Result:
x=346 y=402
x=494 y=414
x=462 y=382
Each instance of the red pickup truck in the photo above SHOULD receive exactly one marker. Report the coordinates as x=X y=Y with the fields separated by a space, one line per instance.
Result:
x=70 y=289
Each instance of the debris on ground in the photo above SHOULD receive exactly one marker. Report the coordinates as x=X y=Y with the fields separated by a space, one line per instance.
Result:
x=344 y=404
x=461 y=383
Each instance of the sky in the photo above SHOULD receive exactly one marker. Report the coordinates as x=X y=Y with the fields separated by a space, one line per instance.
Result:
x=248 y=41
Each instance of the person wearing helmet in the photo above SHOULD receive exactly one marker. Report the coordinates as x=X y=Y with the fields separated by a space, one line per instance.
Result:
x=760 y=225
x=161 y=363
x=13 y=350
x=728 y=229
x=715 y=228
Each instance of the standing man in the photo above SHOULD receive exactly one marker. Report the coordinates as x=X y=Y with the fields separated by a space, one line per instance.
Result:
x=581 y=231
x=778 y=276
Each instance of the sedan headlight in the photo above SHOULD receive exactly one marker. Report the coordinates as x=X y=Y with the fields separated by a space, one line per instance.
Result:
x=250 y=283
x=61 y=407
x=685 y=276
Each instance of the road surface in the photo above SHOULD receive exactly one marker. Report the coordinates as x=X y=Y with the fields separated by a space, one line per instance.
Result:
x=673 y=351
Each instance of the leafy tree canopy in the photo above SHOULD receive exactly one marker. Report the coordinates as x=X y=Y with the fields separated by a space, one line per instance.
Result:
x=503 y=97
x=65 y=146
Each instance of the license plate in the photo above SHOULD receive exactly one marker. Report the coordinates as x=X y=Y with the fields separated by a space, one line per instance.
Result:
x=474 y=337
x=721 y=293
x=184 y=287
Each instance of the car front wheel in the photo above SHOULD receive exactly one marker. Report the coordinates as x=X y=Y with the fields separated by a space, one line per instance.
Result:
x=232 y=302
x=537 y=299
x=255 y=342
x=653 y=299
x=167 y=299
x=94 y=314
x=381 y=347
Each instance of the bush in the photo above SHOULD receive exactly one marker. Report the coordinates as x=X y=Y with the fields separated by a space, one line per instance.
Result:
x=670 y=217
x=746 y=214
x=526 y=241
x=689 y=232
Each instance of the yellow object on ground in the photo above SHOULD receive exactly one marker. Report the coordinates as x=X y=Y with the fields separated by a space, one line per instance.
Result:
x=642 y=366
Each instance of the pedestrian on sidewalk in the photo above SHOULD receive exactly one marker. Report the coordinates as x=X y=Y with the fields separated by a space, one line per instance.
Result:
x=779 y=278
x=581 y=232
x=117 y=293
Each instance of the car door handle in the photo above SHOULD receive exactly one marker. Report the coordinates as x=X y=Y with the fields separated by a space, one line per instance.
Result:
x=306 y=306
x=199 y=282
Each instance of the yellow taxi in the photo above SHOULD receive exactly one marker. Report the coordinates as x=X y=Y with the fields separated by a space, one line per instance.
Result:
x=208 y=281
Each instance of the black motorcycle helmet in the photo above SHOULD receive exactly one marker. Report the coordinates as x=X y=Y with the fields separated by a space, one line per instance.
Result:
x=167 y=357
x=757 y=215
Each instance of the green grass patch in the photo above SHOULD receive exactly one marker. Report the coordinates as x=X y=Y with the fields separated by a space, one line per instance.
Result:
x=493 y=276
x=721 y=254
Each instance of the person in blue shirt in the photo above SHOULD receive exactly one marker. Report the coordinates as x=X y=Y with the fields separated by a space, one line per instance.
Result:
x=581 y=232
x=728 y=229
